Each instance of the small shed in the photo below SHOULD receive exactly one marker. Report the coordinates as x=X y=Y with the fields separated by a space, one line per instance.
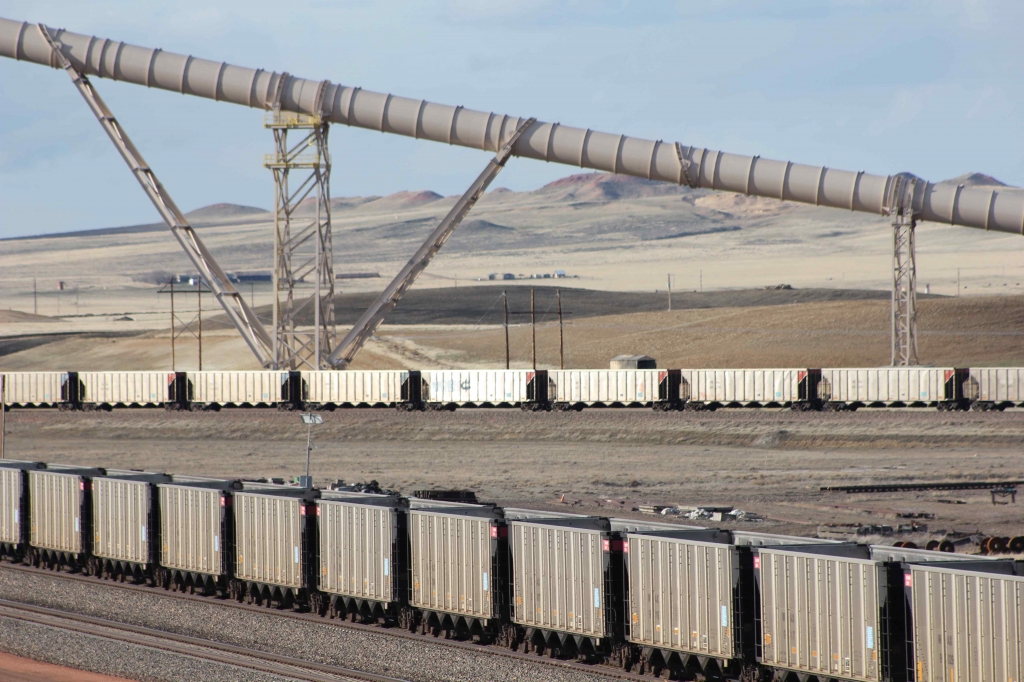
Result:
x=634 y=362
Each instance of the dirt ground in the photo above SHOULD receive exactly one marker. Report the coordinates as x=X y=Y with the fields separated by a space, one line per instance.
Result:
x=978 y=331
x=770 y=462
x=970 y=331
x=15 y=669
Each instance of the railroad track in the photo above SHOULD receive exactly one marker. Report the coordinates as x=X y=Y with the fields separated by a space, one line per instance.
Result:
x=202 y=649
x=534 y=659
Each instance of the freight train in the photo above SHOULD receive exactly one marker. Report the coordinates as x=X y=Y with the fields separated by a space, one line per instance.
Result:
x=945 y=388
x=669 y=600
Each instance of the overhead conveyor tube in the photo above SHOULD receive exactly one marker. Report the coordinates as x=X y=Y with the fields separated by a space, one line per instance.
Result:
x=989 y=209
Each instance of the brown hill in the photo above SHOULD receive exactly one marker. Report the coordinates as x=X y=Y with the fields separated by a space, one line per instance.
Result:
x=604 y=187
x=974 y=180
x=402 y=200
x=221 y=212
x=14 y=316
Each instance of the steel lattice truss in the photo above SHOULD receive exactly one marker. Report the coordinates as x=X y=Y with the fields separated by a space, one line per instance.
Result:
x=904 y=293
x=903 y=197
x=303 y=248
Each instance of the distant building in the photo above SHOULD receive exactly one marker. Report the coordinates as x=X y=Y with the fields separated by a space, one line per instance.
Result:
x=248 y=277
x=559 y=273
x=508 y=275
x=357 y=275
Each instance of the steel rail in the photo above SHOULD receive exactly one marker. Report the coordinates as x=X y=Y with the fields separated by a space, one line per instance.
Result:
x=904 y=487
x=193 y=647
x=601 y=670
x=995 y=209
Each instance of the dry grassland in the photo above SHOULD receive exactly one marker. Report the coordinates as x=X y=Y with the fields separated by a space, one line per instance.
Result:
x=975 y=331
x=957 y=332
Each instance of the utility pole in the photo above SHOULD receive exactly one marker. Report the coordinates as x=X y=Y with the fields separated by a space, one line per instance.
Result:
x=309 y=419
x=561 y=338
x=309 y=444
x=670 y=293
x=701 y=280
x=3 y=414
x=533 y=328
x=199 y=297
x=504 y=297
x=173 y=368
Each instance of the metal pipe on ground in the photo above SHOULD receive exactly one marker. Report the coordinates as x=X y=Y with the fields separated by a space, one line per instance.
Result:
x=999 y=210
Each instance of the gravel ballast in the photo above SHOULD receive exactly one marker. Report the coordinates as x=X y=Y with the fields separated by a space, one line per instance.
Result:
x=119 y=659
x=416 y=660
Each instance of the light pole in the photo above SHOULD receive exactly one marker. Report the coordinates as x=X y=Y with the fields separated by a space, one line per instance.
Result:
x=309 y=419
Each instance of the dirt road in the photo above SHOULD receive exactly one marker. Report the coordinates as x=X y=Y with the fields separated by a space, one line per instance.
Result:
x=766 y=461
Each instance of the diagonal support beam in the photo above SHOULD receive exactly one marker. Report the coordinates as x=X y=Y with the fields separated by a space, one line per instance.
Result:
x=375 y=314
x=234 y=305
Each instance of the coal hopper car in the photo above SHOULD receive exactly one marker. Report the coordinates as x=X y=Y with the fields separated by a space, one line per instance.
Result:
x=14 y=507
x=126 y=524
x=274 y=539
x=458 y=563
x=197 y=534
x=362 y=557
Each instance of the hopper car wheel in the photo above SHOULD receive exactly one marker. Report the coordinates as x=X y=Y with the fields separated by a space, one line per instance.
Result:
x=235 y=591
x=509 y=637
x=407 y=619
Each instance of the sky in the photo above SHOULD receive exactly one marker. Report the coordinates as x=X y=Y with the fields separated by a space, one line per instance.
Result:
x=932 y=87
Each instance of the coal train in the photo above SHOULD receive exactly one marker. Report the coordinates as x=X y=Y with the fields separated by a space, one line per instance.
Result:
x=674 y=601
x=945 y=388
